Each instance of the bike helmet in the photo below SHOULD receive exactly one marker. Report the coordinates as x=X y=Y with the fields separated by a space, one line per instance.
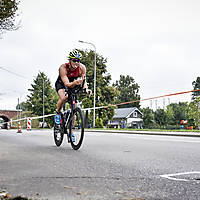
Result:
x=75 y=55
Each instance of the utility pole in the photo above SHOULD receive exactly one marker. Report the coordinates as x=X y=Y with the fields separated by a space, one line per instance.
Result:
x=156 y=104
x=17 y=108
x=164 y=103
x=43 y=102
x=94 y=79
x=168 y=101
x=199 y=115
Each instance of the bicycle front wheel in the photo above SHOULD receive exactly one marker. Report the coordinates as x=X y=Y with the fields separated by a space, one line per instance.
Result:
x=76 y=129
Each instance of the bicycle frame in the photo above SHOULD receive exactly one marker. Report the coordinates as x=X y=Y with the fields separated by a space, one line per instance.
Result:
x=68 y=117
x=72 y=92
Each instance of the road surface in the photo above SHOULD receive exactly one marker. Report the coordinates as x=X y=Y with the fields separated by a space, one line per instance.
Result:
x=108 y=166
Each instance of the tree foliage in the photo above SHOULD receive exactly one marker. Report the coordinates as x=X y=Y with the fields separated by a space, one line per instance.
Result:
x=21 y=106
x=161 y=117
x=196 y=86
x=128 y=91
x=148 y=117
x=194 y=111
x=34 y=101
x=8 y=14
x=105 y=94
x=99 y=122
x=180 y=112
x=170 y=115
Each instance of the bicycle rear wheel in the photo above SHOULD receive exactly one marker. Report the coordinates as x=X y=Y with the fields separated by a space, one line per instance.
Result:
x=76 y=128
x=58 y=135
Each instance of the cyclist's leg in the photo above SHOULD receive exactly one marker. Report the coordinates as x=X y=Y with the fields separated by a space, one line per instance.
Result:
x=60 y=89
x=73 y=125
x=60 y=103
x=74 y=117
x=62 y=99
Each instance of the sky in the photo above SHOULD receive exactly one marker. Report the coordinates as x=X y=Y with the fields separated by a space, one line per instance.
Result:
x=154 y=41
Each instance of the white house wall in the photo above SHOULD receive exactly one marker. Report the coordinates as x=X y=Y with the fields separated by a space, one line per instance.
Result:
x=130 y=120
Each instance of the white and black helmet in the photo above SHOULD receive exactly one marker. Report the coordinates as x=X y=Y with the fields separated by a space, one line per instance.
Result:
x=75 y=55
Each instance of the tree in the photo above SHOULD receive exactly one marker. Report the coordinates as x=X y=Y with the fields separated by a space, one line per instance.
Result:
x=107 y=114
x=34 y=101
x=8 y=14
x=99 y=123
x=170 y=115
x=148 y=117
x=160 y=117
x=21 y=106
x=128 y=91
x=194 y=112
x=105 y=94
x=196 y=85
x=180 y=111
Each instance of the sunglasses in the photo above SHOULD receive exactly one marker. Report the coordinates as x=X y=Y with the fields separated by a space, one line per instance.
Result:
x=75 y=60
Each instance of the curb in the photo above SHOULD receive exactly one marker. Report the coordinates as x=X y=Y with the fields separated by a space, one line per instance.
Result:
x=182 y=134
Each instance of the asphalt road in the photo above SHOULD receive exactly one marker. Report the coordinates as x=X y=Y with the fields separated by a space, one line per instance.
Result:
x=108 y=166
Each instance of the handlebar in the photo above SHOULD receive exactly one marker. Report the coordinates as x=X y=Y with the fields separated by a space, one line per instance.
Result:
x=76 y=89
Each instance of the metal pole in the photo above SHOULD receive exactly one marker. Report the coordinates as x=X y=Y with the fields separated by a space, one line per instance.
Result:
x=18 y=109
x=94 y=80
x=94 y=87
x=43 y=101
x=40 y=77
x=198 y=115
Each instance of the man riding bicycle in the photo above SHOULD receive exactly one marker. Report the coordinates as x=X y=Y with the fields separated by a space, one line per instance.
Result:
x=69 y=74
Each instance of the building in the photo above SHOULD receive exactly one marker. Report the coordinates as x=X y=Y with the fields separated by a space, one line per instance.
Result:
x=126 y=118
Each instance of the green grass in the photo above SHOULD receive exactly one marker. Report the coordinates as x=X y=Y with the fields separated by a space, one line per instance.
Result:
x=157 y=130
x=168 y=130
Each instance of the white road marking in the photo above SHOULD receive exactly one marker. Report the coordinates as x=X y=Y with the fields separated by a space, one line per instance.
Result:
x=171 y=176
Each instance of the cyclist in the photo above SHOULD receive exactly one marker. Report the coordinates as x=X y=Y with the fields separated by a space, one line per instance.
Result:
x=69 y=74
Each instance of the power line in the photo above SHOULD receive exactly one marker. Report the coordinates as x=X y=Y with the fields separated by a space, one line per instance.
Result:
x=13 y=73
x=167 y=95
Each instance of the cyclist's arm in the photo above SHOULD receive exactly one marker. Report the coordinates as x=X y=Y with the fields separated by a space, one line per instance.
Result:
x=83 y=75
x=64 y=78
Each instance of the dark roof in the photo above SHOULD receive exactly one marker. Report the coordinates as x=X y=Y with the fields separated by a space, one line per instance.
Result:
x=124 y=112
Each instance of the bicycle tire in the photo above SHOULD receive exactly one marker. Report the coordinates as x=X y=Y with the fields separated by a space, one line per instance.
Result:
x=78 y=128
x=58 y=139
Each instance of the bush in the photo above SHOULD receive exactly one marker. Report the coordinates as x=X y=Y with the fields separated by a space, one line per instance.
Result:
x=98 y=123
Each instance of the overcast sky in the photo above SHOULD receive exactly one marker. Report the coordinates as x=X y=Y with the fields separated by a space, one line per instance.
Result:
x=155 y=41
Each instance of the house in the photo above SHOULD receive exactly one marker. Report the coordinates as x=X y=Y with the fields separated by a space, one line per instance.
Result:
x=126 y=118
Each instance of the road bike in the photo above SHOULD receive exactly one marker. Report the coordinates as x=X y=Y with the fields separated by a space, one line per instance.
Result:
x=71 y=121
